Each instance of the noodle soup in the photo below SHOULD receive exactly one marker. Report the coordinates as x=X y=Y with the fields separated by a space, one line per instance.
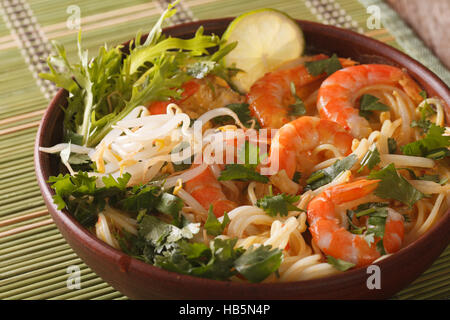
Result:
x=293 y=180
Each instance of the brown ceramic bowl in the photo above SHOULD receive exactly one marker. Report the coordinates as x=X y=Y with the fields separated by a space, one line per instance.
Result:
x=139 y=280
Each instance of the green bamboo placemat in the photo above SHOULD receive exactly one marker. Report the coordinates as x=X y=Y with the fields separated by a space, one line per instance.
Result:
x=33 y=255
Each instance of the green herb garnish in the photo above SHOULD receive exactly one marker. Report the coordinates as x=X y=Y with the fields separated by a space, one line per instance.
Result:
x=329 y=66
x=322 y=177
x=394 y=186
x=213 y=226
x=339 y=264
x=369 y=103
x=434 y=145
x=298 y=107
x=278 y=204
x=370 y=159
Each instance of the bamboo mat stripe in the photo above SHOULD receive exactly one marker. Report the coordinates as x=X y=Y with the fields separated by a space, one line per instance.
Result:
x=34 y=257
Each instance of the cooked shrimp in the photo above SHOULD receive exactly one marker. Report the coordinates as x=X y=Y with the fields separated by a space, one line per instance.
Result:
x=270 y=96
x=335 y=240
x=199 y=96
x=293 y=145
x=207 y=191
x=339 y=93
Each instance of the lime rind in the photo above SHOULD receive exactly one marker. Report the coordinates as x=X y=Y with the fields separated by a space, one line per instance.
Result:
x=266 y=38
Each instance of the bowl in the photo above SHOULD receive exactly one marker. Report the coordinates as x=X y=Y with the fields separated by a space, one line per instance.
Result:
x=139 y=280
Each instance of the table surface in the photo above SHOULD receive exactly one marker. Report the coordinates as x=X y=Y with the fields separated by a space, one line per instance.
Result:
x=431 y=22
x=34 y=258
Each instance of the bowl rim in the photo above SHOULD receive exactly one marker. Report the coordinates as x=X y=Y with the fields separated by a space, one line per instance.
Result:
x=115 y=255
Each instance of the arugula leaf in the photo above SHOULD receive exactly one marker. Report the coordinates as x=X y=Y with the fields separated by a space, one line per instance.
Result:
x=103 y=90
x=279 y=204
x=329 y=66
x=339 y=264
x=322 y=177
x=370 y=159
x=257 y=263
x=369 y=103
x=394 y=186
x=213 y=226
x=433 y=146
x=298 y=107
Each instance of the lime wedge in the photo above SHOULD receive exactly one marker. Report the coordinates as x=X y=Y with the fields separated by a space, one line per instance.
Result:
x=266 y=38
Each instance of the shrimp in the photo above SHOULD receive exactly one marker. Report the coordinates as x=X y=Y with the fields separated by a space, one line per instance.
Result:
x=270 y=96
x=335 y=240
x=293 y=145
x=207 y=191
x=338 y=93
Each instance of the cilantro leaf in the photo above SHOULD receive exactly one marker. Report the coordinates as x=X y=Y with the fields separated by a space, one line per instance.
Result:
x=433 y=146
x=213 y=226
x=242 y=111
x=279 y=204
x=322 y=177
x=370 y=159
x=163 y=235
x=139 y=198
x=297 y=176
x=298 y=107
x=257 y=263
x=339 y=264
x=242 y=173
x=329 y=66
x=392 y=145
x=369 y=103
x=394 y=186
x=171 y=205
x=215 y=262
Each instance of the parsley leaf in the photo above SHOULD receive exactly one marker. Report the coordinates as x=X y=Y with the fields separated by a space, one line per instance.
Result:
x=433 y=146
x=339 y=264
x=322 y=177
x=213 y=226
x=257 y=263
x=394 y=186
x=279 y=204
x=329 y=66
